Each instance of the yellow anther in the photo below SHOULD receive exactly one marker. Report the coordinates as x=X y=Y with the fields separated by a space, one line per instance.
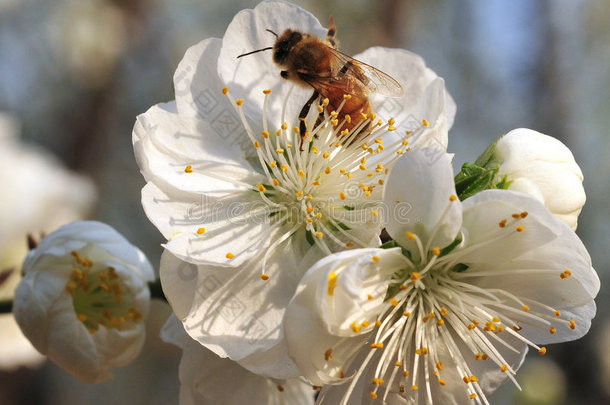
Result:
x=414 y=387
x=334 y=114
x=325 y=155
x=436 y=251
x=230 y=255
x=415 y=276
x=200 y=231
x=284 y=126
x=319 y=234
x=369 y=297
x=552 y=330
x=376 y=259
x=516 y=216
x=348 y=119
x=342 y=195
x=525 y=308
x=261 y=187
x=466 y=379
x=328 y=354
x=355 y=327
x=393 y=302
x=557 y=313
x=266 y=92
x=309 y=210
x=440 y=322
x=523 y=214
x=363 y=116
x=225 y=90
x=442 y=382
x=377 y=323
x=327 y=170
x=299 y=193
x=504 y=368
x=325 y=102
x=308 y=220
x=473 y=395
x=542 y=351
x=473 y=378
x=405 y=373
x=239 y=101
x=572 y=324
x=301 y=173
x=453 y=198
x=471 y=326
x=315 y=150
x=374 y=212
x=334 y=122
x=425 y=123
x=82 y=317
x=378 y=381
x=280 y=150
x=332 y=283
x=284 y=168
x=373 y=395
x=316 y=183
x=257 y=144
x=410 y=236
x=320 y=109
x=273 y=164
x=188 y=169
x=296 y=130
x=318 y=215
x=264 y=276
x=276 y=182
x=519 y=228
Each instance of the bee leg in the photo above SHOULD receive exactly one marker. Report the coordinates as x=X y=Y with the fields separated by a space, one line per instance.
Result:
x=332 y=32
x=303 y=115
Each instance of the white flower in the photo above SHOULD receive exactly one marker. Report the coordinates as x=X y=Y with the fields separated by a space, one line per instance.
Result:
x=448 y=314
x=232 y=193
x=207 y=379
x=544 y=167
x=38 y=195
x=83 y=299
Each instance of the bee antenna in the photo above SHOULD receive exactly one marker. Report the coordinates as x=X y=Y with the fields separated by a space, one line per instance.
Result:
x=258 y=50
x=268 y=30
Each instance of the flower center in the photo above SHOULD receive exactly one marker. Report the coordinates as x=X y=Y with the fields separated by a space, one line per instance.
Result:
x=433 y=315
x=325 y=180
x=99 y=296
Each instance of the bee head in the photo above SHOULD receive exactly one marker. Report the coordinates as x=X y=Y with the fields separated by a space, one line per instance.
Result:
x=284 y=44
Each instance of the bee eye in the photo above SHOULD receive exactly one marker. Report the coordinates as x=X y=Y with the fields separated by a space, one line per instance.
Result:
x=284 y=74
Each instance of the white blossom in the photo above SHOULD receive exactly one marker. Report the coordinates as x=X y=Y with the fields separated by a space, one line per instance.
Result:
x=83 y=299
x=544 y=167
x=449 y=313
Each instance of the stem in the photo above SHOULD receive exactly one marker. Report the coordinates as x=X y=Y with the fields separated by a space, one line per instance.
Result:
x=6 y=307
x=156 y=291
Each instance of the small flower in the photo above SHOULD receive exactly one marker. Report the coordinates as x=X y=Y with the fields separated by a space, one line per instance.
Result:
x=83 y=299
x=528 y=161
x=544 y=167
x=448 y=313
x=231 y=190
x=206 y=378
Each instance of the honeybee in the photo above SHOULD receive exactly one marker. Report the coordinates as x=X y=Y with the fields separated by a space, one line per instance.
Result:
x=310 y=61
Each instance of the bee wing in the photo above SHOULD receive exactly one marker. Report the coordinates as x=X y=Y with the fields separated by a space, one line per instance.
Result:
x=372 y=78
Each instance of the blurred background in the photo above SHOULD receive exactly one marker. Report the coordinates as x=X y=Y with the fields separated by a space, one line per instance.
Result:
x=74 y=74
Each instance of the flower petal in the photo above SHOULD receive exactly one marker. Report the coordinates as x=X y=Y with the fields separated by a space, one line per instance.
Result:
x=223 y=378
x=309 y=341
x=232 y=311
x=425 y=95
x=417 y=196
x=190 y=155
x=491 y=240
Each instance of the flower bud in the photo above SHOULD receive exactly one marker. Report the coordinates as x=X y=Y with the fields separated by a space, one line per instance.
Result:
x=83 y=299
x=543 y=167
